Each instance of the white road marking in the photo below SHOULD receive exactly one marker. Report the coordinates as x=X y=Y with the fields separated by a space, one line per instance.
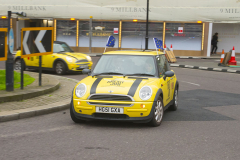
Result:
x=36 y=132
x=217 y=69
x=189 y=66
x=174 y=65
x=231 y=70
x=203 y=67
x=190 y=83
x=183 y=57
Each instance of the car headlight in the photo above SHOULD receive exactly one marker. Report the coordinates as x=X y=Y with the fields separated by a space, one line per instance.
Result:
x=145 y=93
x=69 y=59
x=89 y=58
x=81 y=90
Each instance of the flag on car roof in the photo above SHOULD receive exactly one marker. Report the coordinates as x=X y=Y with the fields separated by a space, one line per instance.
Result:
x=111 y=41
x=158 y=43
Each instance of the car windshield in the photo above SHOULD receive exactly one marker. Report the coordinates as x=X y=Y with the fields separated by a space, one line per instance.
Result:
x=127 y=65
x=61 y=47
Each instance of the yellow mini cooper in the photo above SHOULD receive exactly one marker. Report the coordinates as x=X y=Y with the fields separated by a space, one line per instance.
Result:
x=135 y=86
x=62 y=60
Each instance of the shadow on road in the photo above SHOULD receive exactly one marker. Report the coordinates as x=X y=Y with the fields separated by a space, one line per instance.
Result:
x=192 y=106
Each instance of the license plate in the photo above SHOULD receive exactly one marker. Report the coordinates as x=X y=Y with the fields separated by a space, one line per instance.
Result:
x=83 y=66
x=109 y=110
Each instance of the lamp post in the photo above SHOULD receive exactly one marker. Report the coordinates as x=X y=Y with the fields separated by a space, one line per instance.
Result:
x=90 y=34
x=9 y=61
x=10 y=58
x=146 y=38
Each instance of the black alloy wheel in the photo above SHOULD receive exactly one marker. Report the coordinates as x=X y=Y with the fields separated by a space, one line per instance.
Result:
x=158 y=113
x=174 y=106
x=17 y=64
x=60 y=68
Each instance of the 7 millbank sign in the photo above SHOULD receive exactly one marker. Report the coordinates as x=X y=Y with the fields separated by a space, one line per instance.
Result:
x=160 y=10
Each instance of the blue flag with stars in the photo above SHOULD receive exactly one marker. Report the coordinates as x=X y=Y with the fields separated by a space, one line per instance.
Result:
x=158 y=43
x=111 y=41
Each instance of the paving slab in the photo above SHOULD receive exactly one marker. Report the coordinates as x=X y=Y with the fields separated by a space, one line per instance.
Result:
x=43 y=104
x=49 y=84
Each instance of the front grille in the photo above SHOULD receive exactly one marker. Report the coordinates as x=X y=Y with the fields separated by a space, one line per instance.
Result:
x=110 y=116
x=81 y=60
x=109 y=104
x=110 y=97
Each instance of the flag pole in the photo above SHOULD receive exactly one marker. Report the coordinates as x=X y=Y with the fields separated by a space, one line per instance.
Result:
x=155 y=45
x=146 y=38
x=106 y=45
x=105 y=49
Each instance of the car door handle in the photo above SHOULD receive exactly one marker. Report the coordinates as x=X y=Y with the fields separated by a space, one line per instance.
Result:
x=171 y=78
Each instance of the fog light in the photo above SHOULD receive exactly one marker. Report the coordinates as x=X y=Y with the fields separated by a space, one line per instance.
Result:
x=79 y=103
x=142 y=105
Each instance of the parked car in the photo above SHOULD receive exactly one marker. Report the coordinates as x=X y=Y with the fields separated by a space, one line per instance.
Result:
x=62 y=60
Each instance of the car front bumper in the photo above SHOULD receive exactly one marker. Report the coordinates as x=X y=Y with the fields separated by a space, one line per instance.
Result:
x=131 y=114
x=79 y=66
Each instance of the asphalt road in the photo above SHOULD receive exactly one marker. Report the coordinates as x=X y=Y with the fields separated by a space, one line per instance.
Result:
x=205 y=126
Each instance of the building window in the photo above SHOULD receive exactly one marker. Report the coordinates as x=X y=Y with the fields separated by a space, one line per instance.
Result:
x=134 y=33
x=155 y=30
x=3 y=23
x=184 y=36
x=228 y=36
x=83 y=33
x=66 y=31
x=100 y=33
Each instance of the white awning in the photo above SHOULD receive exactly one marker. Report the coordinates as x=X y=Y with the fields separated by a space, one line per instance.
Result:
x=223 y=11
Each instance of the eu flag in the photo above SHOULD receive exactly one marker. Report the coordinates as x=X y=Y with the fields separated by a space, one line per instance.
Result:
x=111 y=41
x=158 y=43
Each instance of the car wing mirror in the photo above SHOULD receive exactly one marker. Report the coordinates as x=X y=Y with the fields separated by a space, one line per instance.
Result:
x=168 y=74
x=86 y=71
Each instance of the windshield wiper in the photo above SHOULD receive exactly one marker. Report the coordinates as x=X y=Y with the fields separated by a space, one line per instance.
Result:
x=139 y=74
x=108 y=73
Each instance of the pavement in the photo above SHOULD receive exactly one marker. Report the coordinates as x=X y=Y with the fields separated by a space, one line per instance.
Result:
x=55 y=93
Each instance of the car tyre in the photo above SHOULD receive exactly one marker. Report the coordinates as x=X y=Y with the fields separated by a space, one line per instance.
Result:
x=74 y=118
x=174 y=106
x=158 y=113
x=60 y=68
x=17 y=64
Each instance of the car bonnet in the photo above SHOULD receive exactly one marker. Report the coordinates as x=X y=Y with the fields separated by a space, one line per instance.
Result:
x=116 y=84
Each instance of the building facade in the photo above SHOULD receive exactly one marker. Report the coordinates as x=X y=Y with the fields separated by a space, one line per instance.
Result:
x=187 y=26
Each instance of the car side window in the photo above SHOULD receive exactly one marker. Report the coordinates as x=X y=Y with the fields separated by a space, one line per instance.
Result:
x=162 y=64
x=167 y=65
